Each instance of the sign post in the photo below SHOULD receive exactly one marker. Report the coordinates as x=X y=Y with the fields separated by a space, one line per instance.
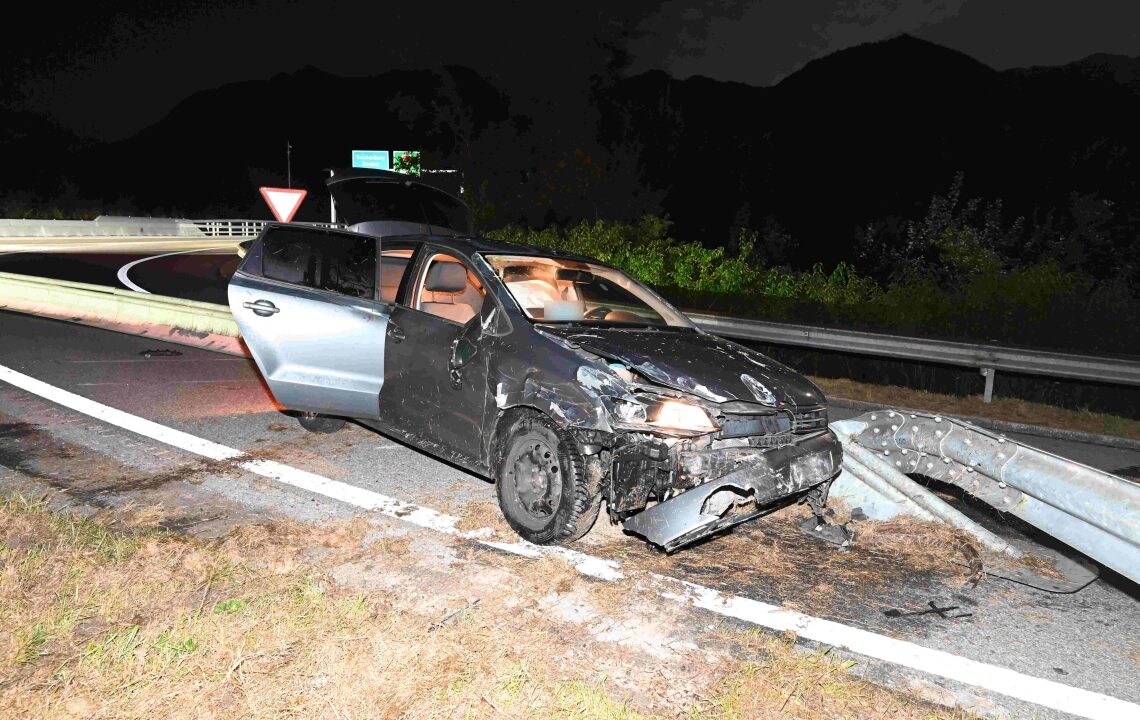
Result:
x=283 y=202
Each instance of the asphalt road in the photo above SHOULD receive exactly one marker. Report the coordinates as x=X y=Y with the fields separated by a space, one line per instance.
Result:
x=197 y=275
x=1090 y=639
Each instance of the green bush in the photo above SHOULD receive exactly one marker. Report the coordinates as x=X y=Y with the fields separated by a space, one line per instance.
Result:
x=967 y=295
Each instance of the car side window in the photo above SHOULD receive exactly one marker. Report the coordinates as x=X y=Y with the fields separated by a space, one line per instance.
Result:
x=340 y=262
x=290 y=256
x=447 y=288
x=348 y=266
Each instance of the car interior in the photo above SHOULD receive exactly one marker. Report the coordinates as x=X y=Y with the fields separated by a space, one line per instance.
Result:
x=448 y=290
x=393 y=265
x=547 y=292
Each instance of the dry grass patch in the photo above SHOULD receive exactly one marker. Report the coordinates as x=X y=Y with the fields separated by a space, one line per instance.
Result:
x=928 y=546
x=480 y=514
x=807 y=573
x=105 y=621
x=788 y=683
x=1007 y=409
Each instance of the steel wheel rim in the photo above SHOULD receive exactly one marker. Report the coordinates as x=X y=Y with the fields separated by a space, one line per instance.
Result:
x=533 y=480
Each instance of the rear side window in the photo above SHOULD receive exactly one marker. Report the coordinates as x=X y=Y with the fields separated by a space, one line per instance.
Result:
x=290 y=256
x=348 y=266
x=343 y=263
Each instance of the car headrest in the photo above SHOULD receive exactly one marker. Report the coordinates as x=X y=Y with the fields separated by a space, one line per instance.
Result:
x=446 y=277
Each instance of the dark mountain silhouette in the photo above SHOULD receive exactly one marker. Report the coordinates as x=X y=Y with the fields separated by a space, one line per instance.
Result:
x=214 y=149
x=865 y=135
x=872 y=132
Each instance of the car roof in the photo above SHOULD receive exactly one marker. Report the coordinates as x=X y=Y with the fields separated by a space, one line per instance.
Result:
x=483 y=245
x=466 y=244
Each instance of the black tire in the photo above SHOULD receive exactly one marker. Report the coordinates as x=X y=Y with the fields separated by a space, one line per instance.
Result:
x=320 y=423
x=557 y=504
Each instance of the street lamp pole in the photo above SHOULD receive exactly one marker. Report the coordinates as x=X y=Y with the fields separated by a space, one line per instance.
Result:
x=289 y=162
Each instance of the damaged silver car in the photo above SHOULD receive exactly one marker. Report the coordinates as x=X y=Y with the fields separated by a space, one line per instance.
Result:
x=561 y=378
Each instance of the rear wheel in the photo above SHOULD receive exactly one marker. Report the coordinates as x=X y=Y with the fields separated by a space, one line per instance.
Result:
x=541 y=485
x=319 y=423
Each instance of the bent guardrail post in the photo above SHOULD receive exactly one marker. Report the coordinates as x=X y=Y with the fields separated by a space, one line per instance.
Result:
x=893 y=485
x=1090 y=510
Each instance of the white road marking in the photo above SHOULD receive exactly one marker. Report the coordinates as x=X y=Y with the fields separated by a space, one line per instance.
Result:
x=167 y=359
x=1034 y=690
x=168 y=382
x=126 y=280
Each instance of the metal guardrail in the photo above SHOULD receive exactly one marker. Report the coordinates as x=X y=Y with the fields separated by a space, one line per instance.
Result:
x=245 y=228
x=101 y=227
x=988 y=359
x=109 y=226
x=1090 y=510
x=229 y=228
x=186 y=322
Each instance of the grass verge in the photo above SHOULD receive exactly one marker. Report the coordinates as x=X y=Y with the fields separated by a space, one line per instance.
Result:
x=1007 y=409
x=101 y=618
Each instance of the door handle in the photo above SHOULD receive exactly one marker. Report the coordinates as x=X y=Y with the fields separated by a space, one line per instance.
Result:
x=264 y=308
x=395 y=332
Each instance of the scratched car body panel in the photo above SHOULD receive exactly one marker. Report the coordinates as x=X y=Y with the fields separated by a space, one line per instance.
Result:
x=565 y=381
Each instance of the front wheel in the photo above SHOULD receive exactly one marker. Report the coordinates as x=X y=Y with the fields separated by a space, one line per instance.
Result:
x=319 y=423
x=541 y=485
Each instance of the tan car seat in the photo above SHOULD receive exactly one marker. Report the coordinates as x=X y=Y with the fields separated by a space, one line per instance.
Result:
x=448 y=293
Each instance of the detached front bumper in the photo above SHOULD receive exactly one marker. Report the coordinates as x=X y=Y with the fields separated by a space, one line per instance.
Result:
x=754 y=479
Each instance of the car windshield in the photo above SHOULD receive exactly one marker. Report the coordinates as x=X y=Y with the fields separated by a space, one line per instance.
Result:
x=556 y=290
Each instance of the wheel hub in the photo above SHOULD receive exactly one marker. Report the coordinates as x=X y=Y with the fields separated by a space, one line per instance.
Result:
x=536 y=481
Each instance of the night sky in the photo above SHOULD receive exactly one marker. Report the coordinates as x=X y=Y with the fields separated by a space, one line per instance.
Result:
x=107 y=70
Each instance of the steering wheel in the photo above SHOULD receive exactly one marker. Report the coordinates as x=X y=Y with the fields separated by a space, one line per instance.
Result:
x=598 y=313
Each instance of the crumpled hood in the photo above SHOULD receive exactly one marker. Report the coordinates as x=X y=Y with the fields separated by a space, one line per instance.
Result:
x=696 y=362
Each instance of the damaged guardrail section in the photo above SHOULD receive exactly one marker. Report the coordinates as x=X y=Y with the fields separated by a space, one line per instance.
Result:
x=186 y=322
x=1090 y=510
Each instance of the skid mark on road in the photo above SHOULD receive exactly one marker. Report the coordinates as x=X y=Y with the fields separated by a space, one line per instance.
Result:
x=1046 y=693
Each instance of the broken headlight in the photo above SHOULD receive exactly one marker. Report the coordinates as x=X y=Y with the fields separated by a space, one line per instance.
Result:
x=631 y=410
x=662 y=415
x=677 y=415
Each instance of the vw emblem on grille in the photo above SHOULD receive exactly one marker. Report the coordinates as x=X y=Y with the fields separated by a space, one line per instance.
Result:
x=762 y=393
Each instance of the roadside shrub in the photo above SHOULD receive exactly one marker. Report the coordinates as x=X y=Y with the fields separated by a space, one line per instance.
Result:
x=964 y=292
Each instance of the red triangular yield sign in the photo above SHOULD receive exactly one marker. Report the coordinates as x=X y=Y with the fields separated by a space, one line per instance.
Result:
x=283 y=202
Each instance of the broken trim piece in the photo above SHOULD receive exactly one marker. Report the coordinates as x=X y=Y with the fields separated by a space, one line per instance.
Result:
x=766 y=478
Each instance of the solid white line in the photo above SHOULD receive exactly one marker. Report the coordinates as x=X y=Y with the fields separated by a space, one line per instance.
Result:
x=168 y=382
x=126 y=280
x=175 y=358
x=1034 y=690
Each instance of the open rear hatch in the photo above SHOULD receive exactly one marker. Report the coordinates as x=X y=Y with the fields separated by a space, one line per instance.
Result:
x=379 y=202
